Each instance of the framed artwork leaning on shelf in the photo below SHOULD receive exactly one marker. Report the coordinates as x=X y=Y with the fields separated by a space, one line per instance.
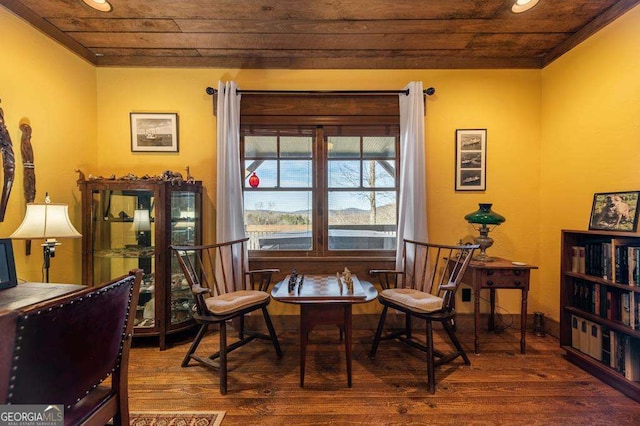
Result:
x=154 y=132
x=471 y=160
x=615 y=211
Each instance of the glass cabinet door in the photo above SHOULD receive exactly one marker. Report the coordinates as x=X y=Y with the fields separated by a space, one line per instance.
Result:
x=124 y=239
x=185 y=223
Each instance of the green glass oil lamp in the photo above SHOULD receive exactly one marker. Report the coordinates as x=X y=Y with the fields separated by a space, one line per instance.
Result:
x=484 y=220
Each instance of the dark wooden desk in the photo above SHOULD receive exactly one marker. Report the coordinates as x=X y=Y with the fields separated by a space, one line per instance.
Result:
x=502 y=274
x=322 y=303
x=25 y=294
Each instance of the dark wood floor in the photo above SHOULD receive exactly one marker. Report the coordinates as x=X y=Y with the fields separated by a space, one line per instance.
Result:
x=501 y=386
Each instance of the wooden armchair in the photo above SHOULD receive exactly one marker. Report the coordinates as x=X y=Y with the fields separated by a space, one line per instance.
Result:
x=425 y=288
x=223 y=291
x=62 y=350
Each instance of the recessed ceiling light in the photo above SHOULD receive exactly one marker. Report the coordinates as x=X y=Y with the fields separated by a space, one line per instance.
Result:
x=101 y=5
x=523 y=5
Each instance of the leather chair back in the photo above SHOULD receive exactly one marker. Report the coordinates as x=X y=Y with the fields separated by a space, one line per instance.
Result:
x=65 y=348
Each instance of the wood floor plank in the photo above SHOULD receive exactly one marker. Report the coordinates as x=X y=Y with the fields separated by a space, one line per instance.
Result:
x=501 y=386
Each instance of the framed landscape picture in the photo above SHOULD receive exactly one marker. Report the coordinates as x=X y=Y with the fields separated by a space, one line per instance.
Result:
x=471 y=160
x=615 y=211
x=154 y=132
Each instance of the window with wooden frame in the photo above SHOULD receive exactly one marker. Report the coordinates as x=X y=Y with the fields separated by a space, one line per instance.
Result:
x=322 y=179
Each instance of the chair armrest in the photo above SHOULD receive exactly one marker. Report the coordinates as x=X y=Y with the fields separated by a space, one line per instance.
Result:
x=388 y=278
x=384 y=271
x=261 y=278
x=198 y=290
x=260 y=271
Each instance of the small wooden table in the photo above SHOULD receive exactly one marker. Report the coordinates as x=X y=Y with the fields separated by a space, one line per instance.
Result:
x=25 y=294
x=323 y=302
x=503 y=274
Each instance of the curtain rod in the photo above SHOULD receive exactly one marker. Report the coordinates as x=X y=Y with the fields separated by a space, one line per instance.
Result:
x=428 y=92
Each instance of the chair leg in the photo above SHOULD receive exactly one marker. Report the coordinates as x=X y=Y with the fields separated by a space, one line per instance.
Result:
x=454 y=339
x=223 y=358
x=376 y=339
x=272 y=332
x=241 y=327
x=194 y=345
x=407 y=325
x=431 y=376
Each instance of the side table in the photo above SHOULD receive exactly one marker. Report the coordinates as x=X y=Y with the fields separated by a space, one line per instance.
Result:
x=503 y=274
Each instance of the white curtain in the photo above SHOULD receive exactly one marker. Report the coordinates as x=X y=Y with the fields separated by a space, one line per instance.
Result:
x=412 y=200
x=229 y=199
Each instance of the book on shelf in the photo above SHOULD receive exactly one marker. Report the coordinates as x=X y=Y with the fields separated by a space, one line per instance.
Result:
x=607 y=262
x=621 y=262
x=606 y=345
x=591 y=254
x=631 y=306
x=636 y=322
x=575 y=332
x=613 y=308
x=625 y=309
x=633 y=266
x=614 y=350
x=584 y=335
x=595 y=340
x=578 y=259
x=575 y=259
x=632 y=359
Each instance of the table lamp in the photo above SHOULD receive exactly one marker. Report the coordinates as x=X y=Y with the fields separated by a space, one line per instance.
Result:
x=46 y=221
x=142 y=226
x=484 y=220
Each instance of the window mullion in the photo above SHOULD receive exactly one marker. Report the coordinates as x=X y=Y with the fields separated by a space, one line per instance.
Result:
x=320 y=193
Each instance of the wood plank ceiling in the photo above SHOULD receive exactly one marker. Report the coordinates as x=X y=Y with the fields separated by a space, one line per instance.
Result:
x=320 y=34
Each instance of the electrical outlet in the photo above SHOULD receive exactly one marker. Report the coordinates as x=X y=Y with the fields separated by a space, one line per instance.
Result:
x=466 y=295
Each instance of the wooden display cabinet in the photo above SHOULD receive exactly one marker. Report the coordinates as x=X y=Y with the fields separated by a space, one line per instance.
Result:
x=131 y=224
x=600 y=305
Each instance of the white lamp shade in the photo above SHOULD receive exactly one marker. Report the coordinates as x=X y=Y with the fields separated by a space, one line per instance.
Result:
x=141 y=220
x=46 y=220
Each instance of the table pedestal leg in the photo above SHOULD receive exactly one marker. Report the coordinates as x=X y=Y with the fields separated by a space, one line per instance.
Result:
x=325 y=314
x=523 y=321
x=347 y=340
x=304 y=339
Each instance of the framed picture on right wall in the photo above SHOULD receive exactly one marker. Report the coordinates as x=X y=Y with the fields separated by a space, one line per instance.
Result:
x=615 y=211
x=471 y=160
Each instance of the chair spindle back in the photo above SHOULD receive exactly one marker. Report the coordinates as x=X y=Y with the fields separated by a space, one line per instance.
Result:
x=213 y=269
x=435 y=268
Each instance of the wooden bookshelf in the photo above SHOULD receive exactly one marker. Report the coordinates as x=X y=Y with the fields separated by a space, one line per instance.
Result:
x=600 y=306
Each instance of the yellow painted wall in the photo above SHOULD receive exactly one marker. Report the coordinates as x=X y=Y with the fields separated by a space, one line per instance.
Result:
x=506 y=102
x=590 y=137
x=55 y=90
